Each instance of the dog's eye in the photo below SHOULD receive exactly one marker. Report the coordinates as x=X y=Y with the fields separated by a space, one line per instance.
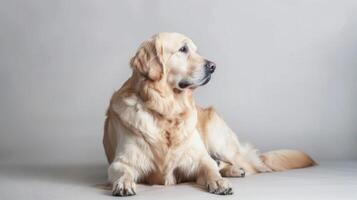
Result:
x=184 y=49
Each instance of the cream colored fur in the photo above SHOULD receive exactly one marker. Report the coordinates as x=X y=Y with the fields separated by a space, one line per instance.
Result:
x=155 y=133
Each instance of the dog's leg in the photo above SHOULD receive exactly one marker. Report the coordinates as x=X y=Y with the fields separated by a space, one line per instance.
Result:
x=130 y=156
x=223 y=144
x=122 y=178
x=209 y=176
x=130 y=165
x=230 y=170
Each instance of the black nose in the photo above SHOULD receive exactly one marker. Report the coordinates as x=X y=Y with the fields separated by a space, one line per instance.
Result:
x=210 y=66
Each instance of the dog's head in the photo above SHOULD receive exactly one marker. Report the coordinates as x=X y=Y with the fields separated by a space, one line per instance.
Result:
x=172 y=58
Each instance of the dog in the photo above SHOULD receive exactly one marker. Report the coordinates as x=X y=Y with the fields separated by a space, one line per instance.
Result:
x=154 y=132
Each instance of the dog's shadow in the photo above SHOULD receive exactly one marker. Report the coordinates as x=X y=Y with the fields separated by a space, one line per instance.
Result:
x=92 y=175
x=80 y=174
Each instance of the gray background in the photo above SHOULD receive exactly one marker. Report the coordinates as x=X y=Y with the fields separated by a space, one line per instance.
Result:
x=286 y=76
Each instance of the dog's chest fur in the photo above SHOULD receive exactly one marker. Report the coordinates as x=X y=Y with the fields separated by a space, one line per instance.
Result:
x=169 y=146
x=165 y=137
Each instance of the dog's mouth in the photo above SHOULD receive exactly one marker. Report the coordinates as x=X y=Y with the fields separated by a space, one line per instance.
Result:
x=206 y=80
x=190 y=85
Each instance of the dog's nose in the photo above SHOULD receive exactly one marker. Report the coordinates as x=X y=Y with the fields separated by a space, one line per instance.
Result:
x=210 y=66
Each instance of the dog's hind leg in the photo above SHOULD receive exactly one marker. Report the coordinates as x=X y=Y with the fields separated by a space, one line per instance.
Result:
x=223 y=145
x=230 y=170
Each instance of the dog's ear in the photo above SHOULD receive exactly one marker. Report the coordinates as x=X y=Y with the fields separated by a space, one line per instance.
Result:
x=148 y=60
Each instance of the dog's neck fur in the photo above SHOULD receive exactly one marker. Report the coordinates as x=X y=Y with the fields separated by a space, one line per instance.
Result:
x=162 y=100
x=175 y=111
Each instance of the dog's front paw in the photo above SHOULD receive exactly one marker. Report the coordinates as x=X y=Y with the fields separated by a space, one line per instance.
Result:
x=123 y=187
x=221 y=187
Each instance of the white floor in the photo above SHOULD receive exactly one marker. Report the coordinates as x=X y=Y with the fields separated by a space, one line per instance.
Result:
x=329 y=180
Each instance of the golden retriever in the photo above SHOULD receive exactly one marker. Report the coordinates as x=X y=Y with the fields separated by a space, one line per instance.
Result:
x=156 y=134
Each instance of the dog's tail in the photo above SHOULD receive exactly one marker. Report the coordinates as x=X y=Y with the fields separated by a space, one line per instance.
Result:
x=280 y=160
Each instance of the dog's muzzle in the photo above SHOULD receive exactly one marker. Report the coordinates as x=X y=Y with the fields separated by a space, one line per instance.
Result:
x=209 y=68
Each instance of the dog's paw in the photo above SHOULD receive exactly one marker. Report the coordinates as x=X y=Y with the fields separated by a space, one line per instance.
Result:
x=221 y=187
x=233 y=171
x=237 y=172
x=123 y=187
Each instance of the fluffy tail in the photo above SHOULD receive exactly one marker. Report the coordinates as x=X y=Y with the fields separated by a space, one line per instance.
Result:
x=281 y=160
x=278 y=160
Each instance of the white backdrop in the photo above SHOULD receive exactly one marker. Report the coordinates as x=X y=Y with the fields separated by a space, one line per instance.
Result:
x=286 y=71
